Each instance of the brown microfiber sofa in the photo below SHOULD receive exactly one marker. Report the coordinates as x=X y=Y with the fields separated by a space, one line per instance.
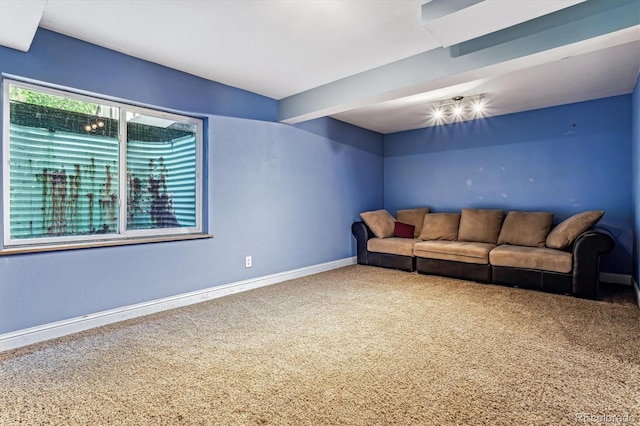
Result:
x=518 y=248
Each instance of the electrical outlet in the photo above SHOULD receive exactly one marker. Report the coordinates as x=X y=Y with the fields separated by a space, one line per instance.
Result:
x=247 y=262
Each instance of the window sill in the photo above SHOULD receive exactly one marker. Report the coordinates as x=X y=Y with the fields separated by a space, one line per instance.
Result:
x=106 y=243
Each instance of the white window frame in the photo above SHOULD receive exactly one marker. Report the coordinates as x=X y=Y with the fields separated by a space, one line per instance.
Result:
x=123 y=236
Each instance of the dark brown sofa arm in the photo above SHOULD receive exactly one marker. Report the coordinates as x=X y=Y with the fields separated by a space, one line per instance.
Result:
x=362 y=233
x=587 y=249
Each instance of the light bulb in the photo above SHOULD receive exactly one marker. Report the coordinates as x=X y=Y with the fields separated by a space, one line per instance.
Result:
x=94 y=126
x=100 y=124
x=87 y=127
x=457 y=110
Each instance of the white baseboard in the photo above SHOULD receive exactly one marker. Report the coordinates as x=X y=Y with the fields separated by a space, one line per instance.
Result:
x=16 y=339
x=623 y=279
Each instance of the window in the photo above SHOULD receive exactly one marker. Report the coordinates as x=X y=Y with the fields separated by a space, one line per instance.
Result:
x=79 y=169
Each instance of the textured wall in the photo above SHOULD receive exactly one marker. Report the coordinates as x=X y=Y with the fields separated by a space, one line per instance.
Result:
x=286 y=196
x=565 y=159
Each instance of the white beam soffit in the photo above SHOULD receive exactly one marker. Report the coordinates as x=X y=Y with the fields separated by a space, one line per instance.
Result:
x=440 y=67
x=19 y=21
x=456 y=21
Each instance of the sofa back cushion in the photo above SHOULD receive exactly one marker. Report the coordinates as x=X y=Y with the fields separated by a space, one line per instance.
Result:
x=413 y=217
x=380 y=222
x=529 y=229
x=480 y=225
x=565 y=233
x=440 y=226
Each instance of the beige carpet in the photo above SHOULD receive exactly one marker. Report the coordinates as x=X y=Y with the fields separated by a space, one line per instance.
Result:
x=355 y=346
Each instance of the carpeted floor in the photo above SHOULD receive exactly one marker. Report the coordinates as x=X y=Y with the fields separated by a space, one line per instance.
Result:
x=354 y=346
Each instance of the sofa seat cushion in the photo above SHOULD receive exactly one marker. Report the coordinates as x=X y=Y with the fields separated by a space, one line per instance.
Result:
x=393 y=245
x=459 y=251
x=543 y=259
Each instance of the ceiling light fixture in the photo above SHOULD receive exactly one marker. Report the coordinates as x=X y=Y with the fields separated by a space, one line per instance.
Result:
x=478 y=106
x=458 y=108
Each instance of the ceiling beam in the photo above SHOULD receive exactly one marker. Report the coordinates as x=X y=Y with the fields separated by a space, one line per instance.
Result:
x=562 y=35
x=459 y=22
x=19 y=20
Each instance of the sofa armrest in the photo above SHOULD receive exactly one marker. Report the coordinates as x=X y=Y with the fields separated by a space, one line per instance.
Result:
x=362 y=233
x=587 y=249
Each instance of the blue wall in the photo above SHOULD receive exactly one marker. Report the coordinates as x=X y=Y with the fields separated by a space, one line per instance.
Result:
x=564 y=159
x=286 y=196
x=58 y=59
x=635 y=140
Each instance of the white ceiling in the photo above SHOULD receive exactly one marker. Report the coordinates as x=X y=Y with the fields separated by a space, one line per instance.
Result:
x=305 y=53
